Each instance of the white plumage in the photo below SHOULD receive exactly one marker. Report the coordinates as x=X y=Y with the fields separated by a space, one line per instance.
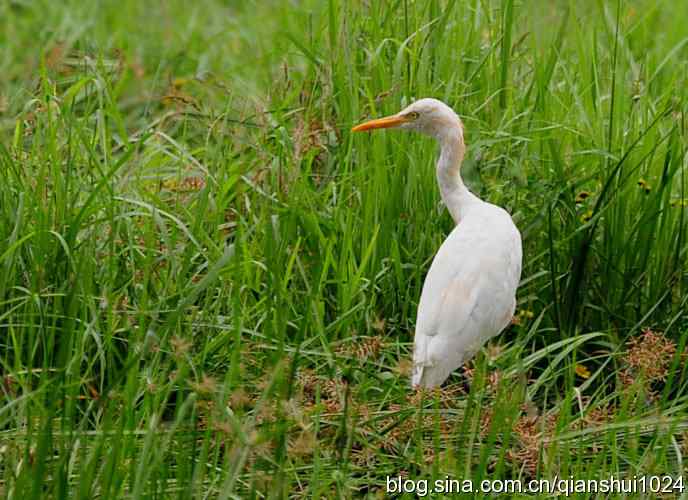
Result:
x=469 y=292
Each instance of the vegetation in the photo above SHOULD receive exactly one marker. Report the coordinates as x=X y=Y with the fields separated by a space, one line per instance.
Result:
x=208 y=286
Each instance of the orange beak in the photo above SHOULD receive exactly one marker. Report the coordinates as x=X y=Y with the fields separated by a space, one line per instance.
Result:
x=386 y=122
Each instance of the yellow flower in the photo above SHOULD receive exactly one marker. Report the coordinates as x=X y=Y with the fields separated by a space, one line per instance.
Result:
x=582 y=371
x=527 y=313
x=582 y=196
x=644 y=185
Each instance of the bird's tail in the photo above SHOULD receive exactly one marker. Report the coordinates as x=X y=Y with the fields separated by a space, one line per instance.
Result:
x=429 y=375
x=417 y=375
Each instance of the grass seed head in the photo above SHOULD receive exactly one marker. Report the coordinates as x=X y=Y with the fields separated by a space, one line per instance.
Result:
x=180 y=346
x=648 y=356
x=206 y=387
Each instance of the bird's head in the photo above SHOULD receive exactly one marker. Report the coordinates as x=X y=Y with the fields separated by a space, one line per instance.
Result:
x=428 y=116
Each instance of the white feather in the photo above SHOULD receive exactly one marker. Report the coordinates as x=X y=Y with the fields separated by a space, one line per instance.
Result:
x=468 y=294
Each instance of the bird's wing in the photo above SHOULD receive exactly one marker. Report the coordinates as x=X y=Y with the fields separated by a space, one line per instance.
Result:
x=468 y=297
x=445 y=327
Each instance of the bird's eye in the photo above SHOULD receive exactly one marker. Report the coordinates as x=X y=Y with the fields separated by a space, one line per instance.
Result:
x=413 y=115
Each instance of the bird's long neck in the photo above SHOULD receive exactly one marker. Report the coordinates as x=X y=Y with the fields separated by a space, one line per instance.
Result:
x=454 y=192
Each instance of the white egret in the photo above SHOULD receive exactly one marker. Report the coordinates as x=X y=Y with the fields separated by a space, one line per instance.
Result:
x=469 y=292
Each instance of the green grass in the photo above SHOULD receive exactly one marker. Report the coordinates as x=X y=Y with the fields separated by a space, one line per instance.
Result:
x=208 y=286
